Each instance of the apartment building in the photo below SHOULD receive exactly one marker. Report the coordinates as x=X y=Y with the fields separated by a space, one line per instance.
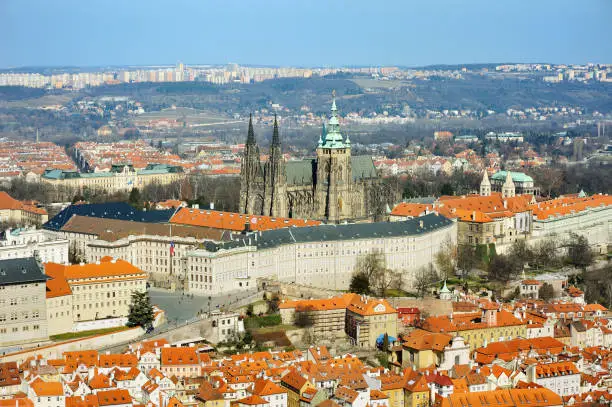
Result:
x=561 y=377
x=320 y=256
x=101 y=290
x=46 y=394
x=180 y=362
x=32 y=242
x=23 y=314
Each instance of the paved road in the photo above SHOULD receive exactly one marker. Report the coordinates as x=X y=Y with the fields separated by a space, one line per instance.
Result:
x=181 y=307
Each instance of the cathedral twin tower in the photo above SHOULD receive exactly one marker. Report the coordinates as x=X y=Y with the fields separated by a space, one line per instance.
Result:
x=334 y=186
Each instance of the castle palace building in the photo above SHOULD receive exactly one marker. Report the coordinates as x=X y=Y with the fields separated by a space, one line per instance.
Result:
x=334 y=186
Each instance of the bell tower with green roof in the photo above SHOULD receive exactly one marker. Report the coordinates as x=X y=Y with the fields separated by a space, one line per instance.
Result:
x=334 y=170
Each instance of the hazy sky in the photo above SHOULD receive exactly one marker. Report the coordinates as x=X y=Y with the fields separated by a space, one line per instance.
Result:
x=303 y=32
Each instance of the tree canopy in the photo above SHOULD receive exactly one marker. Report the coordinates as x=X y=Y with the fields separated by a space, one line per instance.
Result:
x=141 y=310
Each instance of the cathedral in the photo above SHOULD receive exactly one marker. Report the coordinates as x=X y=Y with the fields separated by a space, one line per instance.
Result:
x=333 y=187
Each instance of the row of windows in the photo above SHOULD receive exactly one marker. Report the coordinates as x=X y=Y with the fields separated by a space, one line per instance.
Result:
x=24 y=315
x=20 y=300
x=15 y=329
x=101 y=304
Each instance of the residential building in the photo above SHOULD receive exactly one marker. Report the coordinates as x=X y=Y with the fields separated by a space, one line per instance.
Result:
x=561 y=377
x=46 y=394
x=422 y=349
x=180 y=362
x=10 y=380
x=101 y=290
x=23 y=313
x=296 y=385
x=503 y=398
x=59 y=302
x=492 y=324
x=369 y=318
x=518 y=347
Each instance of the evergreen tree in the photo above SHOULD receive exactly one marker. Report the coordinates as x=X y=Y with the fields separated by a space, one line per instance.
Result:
x=385 y=343
x=135 y=199
x=360 y=284
x=141 y=310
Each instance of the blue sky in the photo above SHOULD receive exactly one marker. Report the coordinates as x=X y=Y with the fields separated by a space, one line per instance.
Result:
x=303 y=32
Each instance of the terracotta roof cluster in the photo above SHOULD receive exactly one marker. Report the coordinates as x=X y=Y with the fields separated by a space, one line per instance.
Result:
x=568 y=206
x=235 y=221
x=509 y=350
x=22 y=157
x=470 y=208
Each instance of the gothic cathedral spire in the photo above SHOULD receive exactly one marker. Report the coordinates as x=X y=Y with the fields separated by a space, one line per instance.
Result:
x=251 y=133
x=275 y=136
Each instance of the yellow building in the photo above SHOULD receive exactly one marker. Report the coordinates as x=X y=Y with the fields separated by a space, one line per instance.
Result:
x=209 y=396
x=120 y=178
x=416 y=391
x=393 y=387
x=296 y=385
x=492 y=324
x=20 y=213
x=368 y=318
x=101 y=290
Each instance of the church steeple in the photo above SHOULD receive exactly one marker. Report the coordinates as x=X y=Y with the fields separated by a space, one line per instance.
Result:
x=275 y=136
x=485 y=185
x=508 y=189
x=332 y=137
x=251 y=133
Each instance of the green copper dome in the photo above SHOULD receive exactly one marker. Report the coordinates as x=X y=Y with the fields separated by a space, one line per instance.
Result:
x=516 y=176
x=332 y=138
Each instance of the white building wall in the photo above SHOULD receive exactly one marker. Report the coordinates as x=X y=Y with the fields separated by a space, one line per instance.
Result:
x=593 y=223
x=325 y=264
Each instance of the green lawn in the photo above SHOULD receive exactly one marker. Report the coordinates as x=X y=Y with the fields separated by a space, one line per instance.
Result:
x=255 y=322
x=83 y=334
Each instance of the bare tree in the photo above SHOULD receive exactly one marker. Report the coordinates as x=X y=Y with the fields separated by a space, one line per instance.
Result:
x=446 y=259
x=424 y=278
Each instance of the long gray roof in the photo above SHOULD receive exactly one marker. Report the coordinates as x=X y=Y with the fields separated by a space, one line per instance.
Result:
x=21 y=271
x=279 y=237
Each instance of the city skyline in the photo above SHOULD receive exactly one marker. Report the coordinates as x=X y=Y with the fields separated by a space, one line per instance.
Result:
x=274 y=33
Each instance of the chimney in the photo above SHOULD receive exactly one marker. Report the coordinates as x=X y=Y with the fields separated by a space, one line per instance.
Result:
x=421 y=224
x=474 y=215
